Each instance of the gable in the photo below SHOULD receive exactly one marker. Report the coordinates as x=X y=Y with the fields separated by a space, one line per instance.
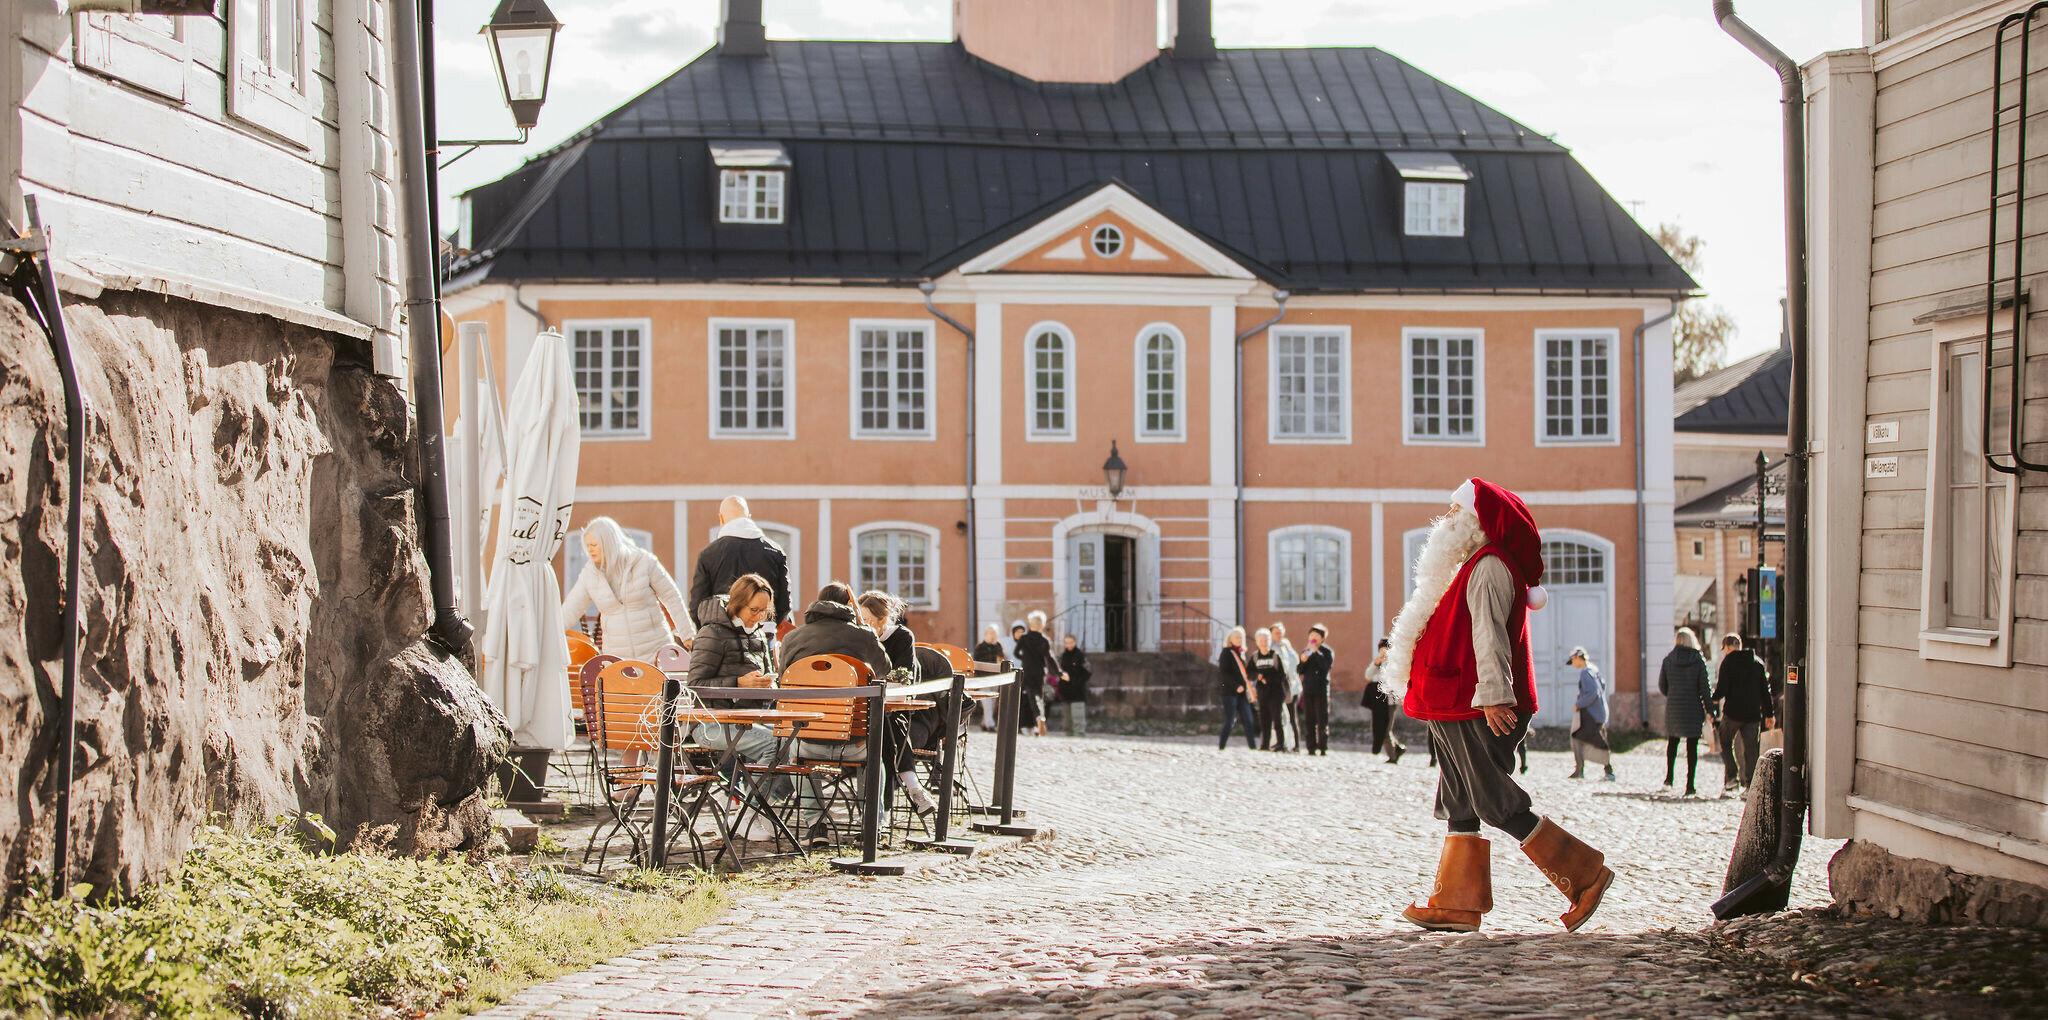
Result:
x=1107 y=231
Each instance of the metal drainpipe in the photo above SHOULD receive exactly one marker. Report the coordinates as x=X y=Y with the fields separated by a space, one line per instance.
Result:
x=423 y=324
x=973 y=553
x=1643 y=515
x=1280 y=299
x=1794 y=791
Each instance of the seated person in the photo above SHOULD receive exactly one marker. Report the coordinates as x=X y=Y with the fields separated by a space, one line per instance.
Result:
x=731 y=650
x=832 y=627
x=882 y=613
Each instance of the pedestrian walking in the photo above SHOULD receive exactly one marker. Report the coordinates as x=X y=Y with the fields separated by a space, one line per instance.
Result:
x=1290 y=662
x=1589 y=718
x=1271 y=677
x=1461 y=649
x=1235 y=691
x=1683 y=682
x=1074 y=673
x=1744 y=695
x=1316 y=664
x=1034 y=663
x=1380 y=702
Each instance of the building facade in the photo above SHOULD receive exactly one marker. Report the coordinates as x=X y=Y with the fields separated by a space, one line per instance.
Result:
x=1724 y=420
x=908 y=297
x=1930 y=684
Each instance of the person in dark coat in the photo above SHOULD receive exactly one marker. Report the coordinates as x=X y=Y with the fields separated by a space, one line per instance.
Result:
x=1034 y=662
x=731 y=650
x=1314 y=670
x=1683 y=682
x=882 y=613
x=1269 y=670
x=740 y=548
x=1234 y=690
x=1074 y=673
x=1381 y=705
x=831 y=626
x=1744 y=696
x=989 y=650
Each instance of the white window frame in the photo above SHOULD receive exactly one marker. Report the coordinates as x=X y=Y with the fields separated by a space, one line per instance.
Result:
x=853 y=384
x=1311 y=531
x=1344 y=396
x=1478 y=338
x=788 y=430
x=1032 y=433
x=1431 y=198
x=646 y=404
x=257 y=94
x=1612 y=437
x=748 y=180
x=1938 y=639
x=931 y=567
x=1140 y=389
x=133 y=50
x=1107 y=232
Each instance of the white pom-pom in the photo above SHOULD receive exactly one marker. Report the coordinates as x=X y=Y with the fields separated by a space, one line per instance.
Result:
x=1538 y=598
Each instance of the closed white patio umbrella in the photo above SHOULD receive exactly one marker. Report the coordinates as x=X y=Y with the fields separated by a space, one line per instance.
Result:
x=525 y=655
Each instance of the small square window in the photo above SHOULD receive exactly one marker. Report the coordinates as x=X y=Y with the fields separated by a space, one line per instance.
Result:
x=1699 y=549
x=1435 y=209
x=750 y=196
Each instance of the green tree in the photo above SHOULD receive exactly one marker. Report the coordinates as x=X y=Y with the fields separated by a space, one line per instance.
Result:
x=1700 y=332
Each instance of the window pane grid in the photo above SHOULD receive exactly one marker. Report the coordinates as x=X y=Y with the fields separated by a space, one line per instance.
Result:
x=1573 y=563
x=1049 y=384
x=750 y=196
x=1310 y=569
x=1434 y=210
x=752 y=378
x=1576 y=403
x=605 y=366
x=892 y=381
x=1309 y=385
x=1443 y=387
x=897 y=562
x=1162 y=385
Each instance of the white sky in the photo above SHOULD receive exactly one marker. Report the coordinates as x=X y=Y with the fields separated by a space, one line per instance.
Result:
x=1675 y=119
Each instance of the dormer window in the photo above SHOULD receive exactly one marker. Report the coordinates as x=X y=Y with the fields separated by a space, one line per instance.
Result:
x=753 y=181
x=1433 y=193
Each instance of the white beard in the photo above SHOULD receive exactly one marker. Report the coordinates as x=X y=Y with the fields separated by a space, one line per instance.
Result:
x=1453 y=538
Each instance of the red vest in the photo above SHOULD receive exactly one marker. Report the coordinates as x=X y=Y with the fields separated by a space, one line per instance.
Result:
x=1443 y=674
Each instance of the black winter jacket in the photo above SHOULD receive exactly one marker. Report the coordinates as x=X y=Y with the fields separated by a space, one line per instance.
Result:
x=1744 y=689
x=1267 y=668
x=1074 y=665
x=1034 y=661
x=730 y=557
x=828 y=628
x=1232 y=675
x=1315 y=669
x=989 y=651
x=722 y=652
x=901 y=645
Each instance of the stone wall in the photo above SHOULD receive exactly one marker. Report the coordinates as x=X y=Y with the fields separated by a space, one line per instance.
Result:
x=255 y=598
x=1868 y=879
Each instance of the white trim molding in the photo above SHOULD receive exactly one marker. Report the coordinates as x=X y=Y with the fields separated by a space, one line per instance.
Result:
x=1140 y=389
x=1112 y=198
x=1478 y=338
x=933 y=559
x=1343 y=537
x=1540 y=395
x=1940 y=639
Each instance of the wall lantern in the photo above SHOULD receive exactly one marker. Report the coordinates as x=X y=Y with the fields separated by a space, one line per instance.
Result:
x=523 y=50
x=1113 y=472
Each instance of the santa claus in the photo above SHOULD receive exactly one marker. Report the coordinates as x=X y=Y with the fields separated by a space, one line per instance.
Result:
x=1461 y=650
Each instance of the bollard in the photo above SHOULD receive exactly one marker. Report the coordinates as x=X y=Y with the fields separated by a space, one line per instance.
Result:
x=939 y=840
x=871 y=792
x=1010 y=707
x=664 y=771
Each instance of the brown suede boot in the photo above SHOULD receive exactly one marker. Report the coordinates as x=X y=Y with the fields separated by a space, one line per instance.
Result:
x=1464 y=886
x=1577 y=870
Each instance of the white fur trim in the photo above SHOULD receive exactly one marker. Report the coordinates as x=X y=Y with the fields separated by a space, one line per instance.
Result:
x=1538 y=597
x=1465 y=494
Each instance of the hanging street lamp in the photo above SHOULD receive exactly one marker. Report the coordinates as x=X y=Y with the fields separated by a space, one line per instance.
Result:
x=522 y=44
x=1113 y=471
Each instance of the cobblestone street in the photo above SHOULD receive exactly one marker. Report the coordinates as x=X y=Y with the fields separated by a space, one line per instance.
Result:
x=1184 y=882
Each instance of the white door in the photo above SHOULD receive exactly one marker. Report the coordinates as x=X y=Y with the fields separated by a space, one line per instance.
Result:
x=1580 y=612
x=1081 y=611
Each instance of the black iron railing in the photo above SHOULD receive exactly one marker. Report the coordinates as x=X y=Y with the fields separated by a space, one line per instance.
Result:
x=2016 y=26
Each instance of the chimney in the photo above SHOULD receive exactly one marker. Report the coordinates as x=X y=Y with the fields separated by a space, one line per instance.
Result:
x=1194 y=37
x=1090 y=42
x=739 y=29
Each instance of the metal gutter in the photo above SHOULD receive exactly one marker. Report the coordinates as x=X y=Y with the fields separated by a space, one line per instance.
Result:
x=1237 y=410
x=927 y=288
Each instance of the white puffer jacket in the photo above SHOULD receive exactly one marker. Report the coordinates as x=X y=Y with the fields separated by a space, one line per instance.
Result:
x=634 y=626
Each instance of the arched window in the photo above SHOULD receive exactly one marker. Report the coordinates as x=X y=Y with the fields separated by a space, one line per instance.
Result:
x=1049 y=376
x=1160 y=379
x=899 y=558
x=1310 y=568
x=1566 y=562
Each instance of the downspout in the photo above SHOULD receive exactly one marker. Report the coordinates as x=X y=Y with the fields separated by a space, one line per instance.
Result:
x=1643 y=513
x=1237 y=409
x=1753 y=895
x=973 y=551
x=423 y=323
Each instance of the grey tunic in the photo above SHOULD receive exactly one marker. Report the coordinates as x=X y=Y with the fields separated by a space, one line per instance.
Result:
x=1490 y=595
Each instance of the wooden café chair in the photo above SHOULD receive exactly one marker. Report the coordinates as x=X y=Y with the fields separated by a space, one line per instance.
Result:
x=626 y=716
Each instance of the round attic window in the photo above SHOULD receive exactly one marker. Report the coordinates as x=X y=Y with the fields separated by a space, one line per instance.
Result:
x=1108 y=241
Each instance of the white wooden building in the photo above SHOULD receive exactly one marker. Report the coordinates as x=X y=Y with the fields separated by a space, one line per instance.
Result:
x=243 y=159
x=1930 y=683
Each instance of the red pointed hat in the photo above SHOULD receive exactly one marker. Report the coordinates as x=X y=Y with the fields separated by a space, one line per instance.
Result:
x=1508 y=524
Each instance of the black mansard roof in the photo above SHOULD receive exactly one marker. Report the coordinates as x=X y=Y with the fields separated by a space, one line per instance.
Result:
x=1750 y=397
x=907 y=158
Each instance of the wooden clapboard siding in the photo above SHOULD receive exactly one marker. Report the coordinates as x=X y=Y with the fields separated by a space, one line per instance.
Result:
x=1945 y=739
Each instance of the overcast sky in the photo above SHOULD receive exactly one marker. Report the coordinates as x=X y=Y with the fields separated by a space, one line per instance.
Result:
x=1678 y=122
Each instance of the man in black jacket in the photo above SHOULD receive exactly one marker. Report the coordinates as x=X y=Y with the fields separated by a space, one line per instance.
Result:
x=1742 y=701
x=1315 y=689
x=740 y=549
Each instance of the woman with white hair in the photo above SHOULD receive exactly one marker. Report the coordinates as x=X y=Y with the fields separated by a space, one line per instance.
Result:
x=1234 y=687
x=638 y=603
x=1683 y=682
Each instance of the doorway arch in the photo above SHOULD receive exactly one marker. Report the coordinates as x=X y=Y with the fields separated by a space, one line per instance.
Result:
x=1105 y=572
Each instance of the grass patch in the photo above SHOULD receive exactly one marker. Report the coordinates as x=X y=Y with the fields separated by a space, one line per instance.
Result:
x=258 y=924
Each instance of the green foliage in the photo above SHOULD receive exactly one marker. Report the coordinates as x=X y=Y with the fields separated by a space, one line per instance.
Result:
x=1699 y=332
x=256 y=925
